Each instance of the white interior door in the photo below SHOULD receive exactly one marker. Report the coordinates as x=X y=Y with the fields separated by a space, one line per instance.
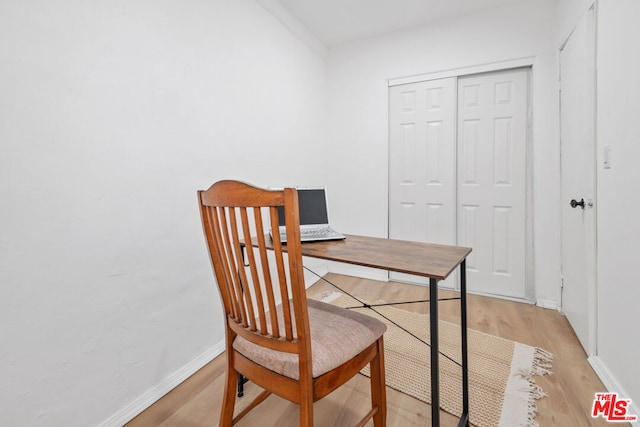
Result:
x=422 y=159
x=492 y=146
x=577 y=140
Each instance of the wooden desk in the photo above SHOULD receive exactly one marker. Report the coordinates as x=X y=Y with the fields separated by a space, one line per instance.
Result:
x=435 y=262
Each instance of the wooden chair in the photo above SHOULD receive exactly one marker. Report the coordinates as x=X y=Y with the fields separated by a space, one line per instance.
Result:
x=296 y=348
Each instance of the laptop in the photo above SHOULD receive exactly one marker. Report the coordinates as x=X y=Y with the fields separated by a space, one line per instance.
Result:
x=314 y=217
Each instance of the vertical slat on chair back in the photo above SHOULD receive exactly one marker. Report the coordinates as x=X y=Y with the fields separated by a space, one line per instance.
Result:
x=251 y=285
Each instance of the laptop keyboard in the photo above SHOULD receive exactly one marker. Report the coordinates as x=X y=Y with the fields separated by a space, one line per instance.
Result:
x=320 y=232
x=315 y=234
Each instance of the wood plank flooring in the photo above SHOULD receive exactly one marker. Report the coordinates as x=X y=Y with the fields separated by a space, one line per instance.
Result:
x=571 y=388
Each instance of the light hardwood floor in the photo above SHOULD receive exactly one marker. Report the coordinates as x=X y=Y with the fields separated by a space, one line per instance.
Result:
x=570 y=389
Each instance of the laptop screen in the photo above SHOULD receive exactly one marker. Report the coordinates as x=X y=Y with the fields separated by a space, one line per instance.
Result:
x=312 y=204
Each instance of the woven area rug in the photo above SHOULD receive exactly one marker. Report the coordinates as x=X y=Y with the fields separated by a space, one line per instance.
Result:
x=502 y=391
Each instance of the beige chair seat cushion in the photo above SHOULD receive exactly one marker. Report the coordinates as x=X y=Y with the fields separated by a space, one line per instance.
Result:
x=337 y=336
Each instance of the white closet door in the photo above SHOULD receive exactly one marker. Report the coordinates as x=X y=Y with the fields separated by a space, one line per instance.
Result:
x=422 y=164
x=492 y=140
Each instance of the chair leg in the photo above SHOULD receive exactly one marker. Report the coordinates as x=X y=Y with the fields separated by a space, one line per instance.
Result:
x=378 y=388
x=229 y=397
x=306 y=405
x=306 y=414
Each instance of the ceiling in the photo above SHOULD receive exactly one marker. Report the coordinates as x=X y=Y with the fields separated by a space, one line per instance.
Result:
x=336 y=22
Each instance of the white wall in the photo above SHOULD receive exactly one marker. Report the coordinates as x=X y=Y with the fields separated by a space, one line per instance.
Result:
x=618 y=61
x=568 y=14
x=112 y=115
x=358 y=114
x=109 y=108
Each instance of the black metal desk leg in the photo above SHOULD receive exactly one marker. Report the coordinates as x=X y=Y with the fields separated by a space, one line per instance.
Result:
x=435 y=365
x=463 y=326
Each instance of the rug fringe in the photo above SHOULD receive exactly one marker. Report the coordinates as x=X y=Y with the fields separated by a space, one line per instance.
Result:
x=533 y=411
x=542 y=363
x=521 y=387
x=534 y=392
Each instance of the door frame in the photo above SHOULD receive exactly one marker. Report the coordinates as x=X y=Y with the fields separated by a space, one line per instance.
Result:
x=530 y=63
x=591 y=347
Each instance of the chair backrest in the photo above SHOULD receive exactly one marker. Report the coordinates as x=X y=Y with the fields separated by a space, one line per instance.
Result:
x=236 y=218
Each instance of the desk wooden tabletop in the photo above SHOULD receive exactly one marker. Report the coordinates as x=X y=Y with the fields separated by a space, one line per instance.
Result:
x=421 y=259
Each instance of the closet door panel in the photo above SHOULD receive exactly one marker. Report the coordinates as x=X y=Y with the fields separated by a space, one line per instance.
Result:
x=422 y=178
x=492 y=132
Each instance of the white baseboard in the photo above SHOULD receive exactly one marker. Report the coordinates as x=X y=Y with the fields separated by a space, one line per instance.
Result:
x=130 y=411
x=547 y=303
x=611 y=383
x=319 y=271
x=356 y=271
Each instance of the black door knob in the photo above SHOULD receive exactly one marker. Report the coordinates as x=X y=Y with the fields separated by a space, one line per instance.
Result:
x=575 y=204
